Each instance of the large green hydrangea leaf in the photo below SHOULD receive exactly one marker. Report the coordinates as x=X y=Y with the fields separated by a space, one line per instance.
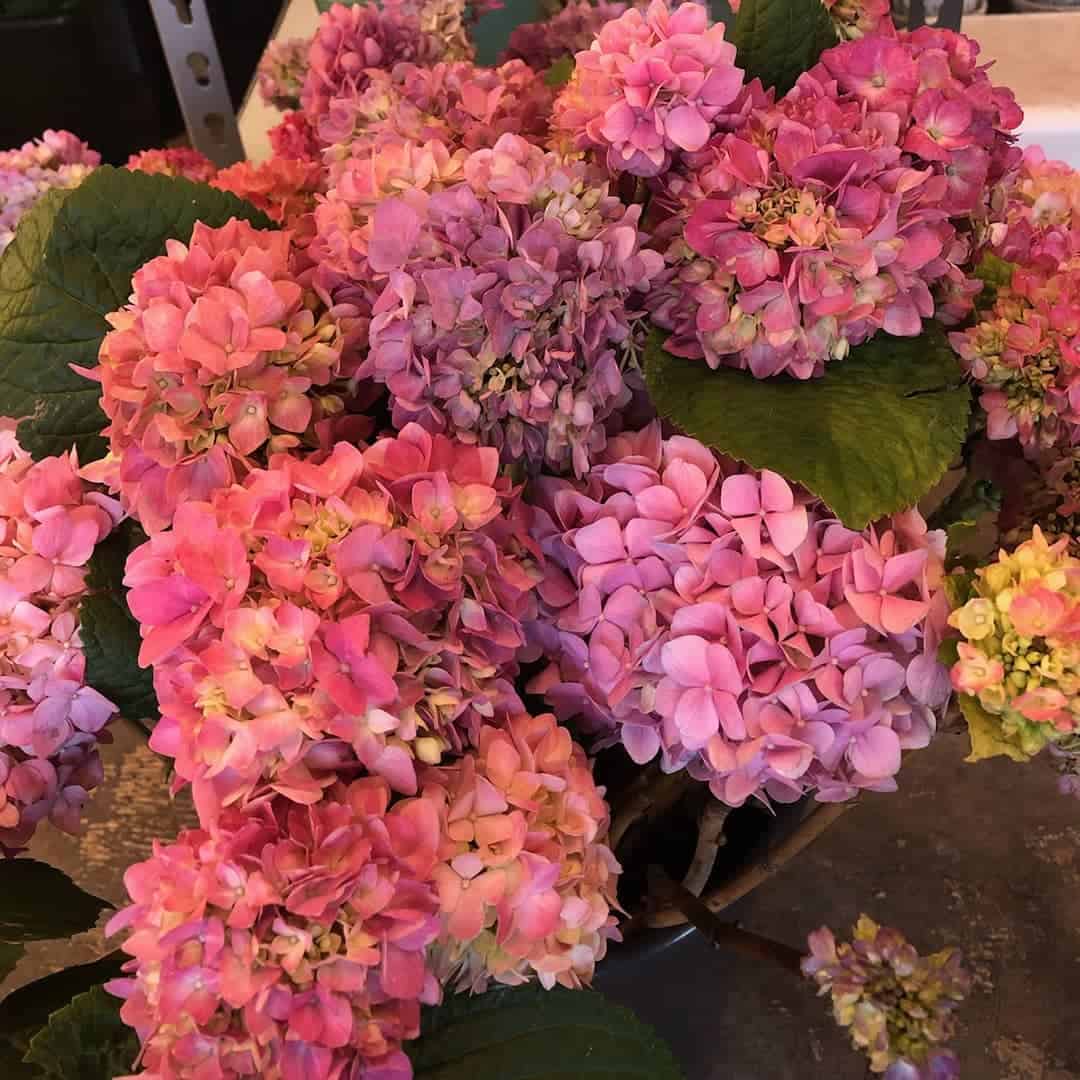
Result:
x=39 y=902
x=527 y=1033
x=984 y=731
x=777 y=40
x=870 y=437
x=85 y=1040
x=71 y=263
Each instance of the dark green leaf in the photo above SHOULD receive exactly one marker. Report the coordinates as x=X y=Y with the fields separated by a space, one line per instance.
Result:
x=71 y=262
x=29 y=1007
x=527 y=1033
x=10 y=954
x=871 y=436
x=995 y=274
x=85 y=1040
x=38 y=902
x=777 y=40
x=110 y=635
x=560 y=73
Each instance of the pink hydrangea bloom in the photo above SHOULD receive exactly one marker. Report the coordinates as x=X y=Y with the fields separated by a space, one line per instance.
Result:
x=284 y=188
x=526 y=883
x=50 y=721
x=294 y=137
x=282 y=71
x=353 y=39
x=724 y=619
x=504 y=308
x=221 y=358
x=1025 y=357
x=649 y=87
x=52 y=150
x=286 y=943
x=367 y=608
x=568 y=32
x=174 y=161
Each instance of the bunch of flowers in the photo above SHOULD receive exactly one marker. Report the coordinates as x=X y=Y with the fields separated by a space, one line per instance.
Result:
x=727 y=621
x=649 y=88
x=449 y=21
x=174 y=161
x=220 y=359
x=832 y=214
x=50 y=721
x=1024 y=354
x=282 y=71
x=284 y=188
x=287 y=942
x=353 y=40
x=57 y=160
x=525 y=883
x=1039 y=221
x=1020 y=653
x=570 y=31
x=898 y=1005
x=368 y=607
x=295 y=137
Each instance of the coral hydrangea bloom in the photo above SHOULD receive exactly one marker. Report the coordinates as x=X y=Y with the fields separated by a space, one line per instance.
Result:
x=525 y=881
x=221 y=358
x=286 y=943
x=174 y=161
x=50 y=721
x=283 y=187
x=1020 y=653
x=727 y=621
x=366 y=609
x=649 y=87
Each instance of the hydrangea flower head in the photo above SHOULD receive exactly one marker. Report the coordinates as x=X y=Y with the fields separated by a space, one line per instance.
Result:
x=174 y=161
x=566 y=33
x=366 y=607
x=53 y=150
x=50 y=721
x=295 y=137
x=221 y=358
x=898 y=1006
x=723 y=619
x=286 y=942
x=526 y=883
x=1020 y=653
x=282 y=71
x=284 y=188
x=649 y=88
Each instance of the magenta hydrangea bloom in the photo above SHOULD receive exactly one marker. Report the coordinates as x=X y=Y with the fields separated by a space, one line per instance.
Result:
x=649 y=88
x=174 y=161
x=526 y=883
x=295 y=138
x=728 y=622
x=286 y=943
x=566 y=33
x=364 y=609
x=50 y=721
x=504 y=308
x=220 y=359
x=351 y=40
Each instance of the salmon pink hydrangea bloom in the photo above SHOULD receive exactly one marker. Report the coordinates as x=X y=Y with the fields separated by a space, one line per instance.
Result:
x=526 y=883
x=174 y=161
x=50 y=721
x=1020 y=653
x=282 y=71
x=288 y=942
x=725 y=620
x=364 y=609
x=649 y=87
x=220 y=359
x=284 y=188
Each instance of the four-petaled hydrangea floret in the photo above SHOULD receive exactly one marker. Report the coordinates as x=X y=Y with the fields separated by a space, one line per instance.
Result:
x=897 y=1005
x=1020 y=653
x=526 y=881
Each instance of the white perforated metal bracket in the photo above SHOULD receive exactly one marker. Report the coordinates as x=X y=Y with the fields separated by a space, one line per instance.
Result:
x=195 y=66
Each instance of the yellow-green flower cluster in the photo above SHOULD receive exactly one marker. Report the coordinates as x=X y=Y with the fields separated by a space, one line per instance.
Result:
x=1020 y=657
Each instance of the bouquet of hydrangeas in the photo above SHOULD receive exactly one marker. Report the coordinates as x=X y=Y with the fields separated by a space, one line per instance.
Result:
x=523 y=463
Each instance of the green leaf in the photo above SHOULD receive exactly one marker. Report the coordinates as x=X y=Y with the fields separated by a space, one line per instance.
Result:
x=777 y=40
x=995 y=273
x=29 y=1007
x=110 y=635
x=85 y=1040
x=527 y=1033
x=71 y=262
x=871 y=436
x=10 y=954
x=985 y=733
x=560 y=73
x=959 y=589
x=38 y=902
